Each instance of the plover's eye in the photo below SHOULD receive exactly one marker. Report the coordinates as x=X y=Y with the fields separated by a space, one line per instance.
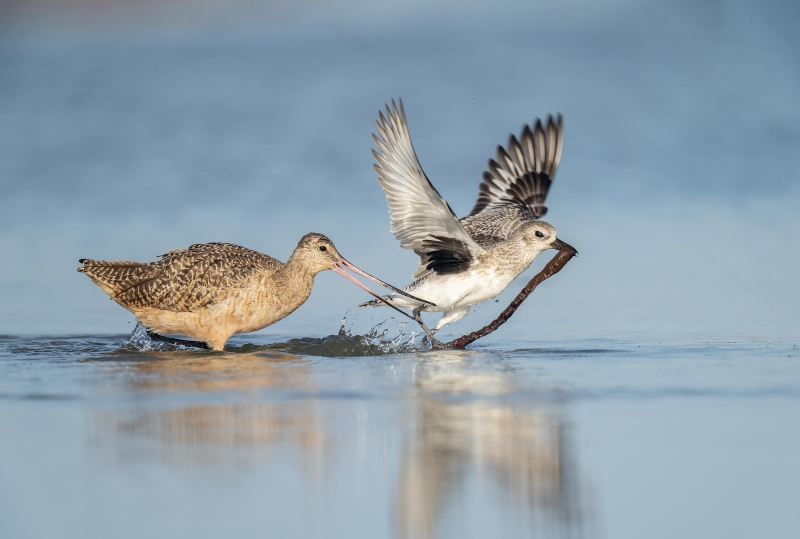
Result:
x=539 y=234
x=323 y=248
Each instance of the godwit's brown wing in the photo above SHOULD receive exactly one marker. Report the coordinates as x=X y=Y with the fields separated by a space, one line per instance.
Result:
x=420 y=217
x=183 y=280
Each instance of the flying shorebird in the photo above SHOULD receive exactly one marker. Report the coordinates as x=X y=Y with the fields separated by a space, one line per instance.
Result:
x=469 y=260
x=211 y=291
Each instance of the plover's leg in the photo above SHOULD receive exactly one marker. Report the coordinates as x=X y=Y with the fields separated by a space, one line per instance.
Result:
x=194 y=344
x=451 y=316
x=434 y=341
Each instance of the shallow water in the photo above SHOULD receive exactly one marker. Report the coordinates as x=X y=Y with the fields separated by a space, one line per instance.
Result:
x=650 y=389
x=575 y=439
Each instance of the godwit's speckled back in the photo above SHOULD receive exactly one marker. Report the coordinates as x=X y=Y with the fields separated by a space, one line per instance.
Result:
x=183 y=280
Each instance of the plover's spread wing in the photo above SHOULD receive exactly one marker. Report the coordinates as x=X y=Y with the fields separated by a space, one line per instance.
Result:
x=420 y=218
x=521 y=176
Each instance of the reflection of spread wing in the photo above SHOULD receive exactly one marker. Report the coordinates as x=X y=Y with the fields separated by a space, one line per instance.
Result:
x=183 y=280
x=420 y=217
x=521 y=176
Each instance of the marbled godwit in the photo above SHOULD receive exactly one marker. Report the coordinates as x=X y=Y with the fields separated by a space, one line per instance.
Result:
x=469 y=260
x=211 y=291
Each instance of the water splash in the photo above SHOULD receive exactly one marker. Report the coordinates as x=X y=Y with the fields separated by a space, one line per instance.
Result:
x=380 y=336
x=390 y=336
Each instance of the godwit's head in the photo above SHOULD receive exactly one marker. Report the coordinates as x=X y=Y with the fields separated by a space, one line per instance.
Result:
x=317 y=253
x=538 y=236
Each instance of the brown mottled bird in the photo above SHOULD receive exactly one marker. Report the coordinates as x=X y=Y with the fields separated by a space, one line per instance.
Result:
x=211 y=291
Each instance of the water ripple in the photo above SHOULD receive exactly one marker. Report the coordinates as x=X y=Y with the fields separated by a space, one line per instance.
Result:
x=387 y=337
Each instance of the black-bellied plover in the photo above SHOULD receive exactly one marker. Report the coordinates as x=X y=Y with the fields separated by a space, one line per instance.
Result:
x=469 y=260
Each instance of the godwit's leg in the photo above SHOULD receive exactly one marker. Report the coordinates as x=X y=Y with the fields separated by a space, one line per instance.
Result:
x=182 y=342
x=434 y=341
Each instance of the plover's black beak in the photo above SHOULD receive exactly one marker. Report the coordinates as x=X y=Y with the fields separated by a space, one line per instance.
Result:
x=558 y=245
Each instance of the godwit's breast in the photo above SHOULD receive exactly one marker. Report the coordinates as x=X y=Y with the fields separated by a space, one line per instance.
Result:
x=262 y=302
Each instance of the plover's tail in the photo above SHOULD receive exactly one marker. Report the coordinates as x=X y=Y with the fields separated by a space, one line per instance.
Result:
x=377 y=302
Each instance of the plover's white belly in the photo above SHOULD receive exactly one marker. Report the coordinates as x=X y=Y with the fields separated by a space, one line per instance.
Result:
x=450 y=291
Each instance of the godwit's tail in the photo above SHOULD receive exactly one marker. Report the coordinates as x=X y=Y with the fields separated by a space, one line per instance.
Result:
x=115 y=278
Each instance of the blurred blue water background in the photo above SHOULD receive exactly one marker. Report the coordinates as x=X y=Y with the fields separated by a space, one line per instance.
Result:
x=128 y=129
x=678 y=184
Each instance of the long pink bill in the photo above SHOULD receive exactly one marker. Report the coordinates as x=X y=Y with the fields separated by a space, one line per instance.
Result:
x=363 y=273
x=352 y=279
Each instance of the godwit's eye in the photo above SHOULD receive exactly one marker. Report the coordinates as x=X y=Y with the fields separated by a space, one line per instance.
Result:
x=539 y=234
x=323 y=248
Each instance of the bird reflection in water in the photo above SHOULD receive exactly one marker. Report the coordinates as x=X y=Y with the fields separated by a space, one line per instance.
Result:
x=468 y=421
x=221 y=431
x=467 y=416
